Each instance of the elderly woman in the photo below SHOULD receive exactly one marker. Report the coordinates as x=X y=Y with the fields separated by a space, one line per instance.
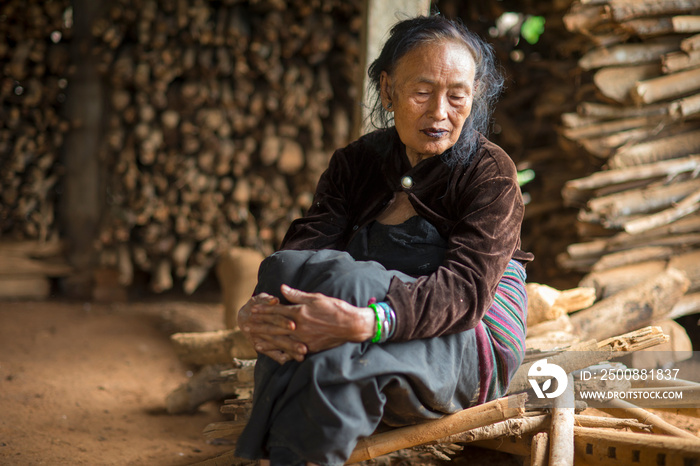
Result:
x=400 y=296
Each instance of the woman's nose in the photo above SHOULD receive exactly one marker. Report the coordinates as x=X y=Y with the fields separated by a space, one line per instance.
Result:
x=438 y=107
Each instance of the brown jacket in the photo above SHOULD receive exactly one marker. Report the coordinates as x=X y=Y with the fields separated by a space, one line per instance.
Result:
x=478 y=208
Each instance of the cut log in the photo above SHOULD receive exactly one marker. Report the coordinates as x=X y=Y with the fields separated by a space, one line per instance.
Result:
x=608 y=127
x=648 y=27
x=237 y=272
x=539 y=450
x=686 y=24
x=198 y=389
x=547 y=303
x=617 y=82
x=624 y=10
x=690 y=43
x=470 y=418
x=666 y=87
x=677 y=61
x=560 y=324
x=615 y=207
x=632 y=308
x=628 y=54
x=667 y=168
x=518 y=426
x=687 y=305
x=561 y=434
x=688 y=205
x=611 y=281
x=632 y=256
x=212 y=347
x=654 y=151
x=689 y=264
x=600 y=111
x=685 y=107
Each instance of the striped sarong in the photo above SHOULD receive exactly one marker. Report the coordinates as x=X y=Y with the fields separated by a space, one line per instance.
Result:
x=504 y=326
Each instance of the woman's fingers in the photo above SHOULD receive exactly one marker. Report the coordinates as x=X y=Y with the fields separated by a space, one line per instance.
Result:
x=266 y=343
x=297 y=296
x=269 y=323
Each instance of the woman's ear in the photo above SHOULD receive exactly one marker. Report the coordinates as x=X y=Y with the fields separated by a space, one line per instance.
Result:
x=385 y=90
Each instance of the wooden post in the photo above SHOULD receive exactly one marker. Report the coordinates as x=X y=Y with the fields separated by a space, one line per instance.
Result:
x=561 y=435
x=378 y=17
x=82 y=200
x=539 y=449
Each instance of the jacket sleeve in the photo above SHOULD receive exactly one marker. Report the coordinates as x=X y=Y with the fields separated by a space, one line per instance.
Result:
x=480 y=245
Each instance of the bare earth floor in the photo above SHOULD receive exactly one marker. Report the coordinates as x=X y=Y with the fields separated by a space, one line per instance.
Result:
x=85 y=384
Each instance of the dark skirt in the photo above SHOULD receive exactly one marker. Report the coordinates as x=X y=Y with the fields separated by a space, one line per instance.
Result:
x=316 y=410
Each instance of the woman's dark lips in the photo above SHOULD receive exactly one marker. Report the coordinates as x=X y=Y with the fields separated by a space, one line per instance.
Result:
x=434 y=132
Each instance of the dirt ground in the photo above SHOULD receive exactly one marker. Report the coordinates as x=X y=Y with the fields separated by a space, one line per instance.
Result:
x=85 y=384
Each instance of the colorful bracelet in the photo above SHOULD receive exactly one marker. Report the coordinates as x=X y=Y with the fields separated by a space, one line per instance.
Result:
x=390 y=320
x=386 y=321
x=378 y=334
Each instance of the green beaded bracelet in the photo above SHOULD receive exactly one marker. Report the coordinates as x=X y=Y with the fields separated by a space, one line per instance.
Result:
x=378 y=335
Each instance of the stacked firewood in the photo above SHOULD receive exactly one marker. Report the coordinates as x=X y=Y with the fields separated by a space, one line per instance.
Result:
x=539 y=87
x=34 y=70
x=572 y=329
x=223 y=116
x=638 y=117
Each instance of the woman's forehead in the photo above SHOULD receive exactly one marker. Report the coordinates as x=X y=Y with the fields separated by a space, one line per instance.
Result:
x=436 y=60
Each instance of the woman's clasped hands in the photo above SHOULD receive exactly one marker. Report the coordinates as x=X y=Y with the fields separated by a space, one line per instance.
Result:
x=312 y=322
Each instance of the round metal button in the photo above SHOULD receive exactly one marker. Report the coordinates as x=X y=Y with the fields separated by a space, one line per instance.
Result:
x=407 y=182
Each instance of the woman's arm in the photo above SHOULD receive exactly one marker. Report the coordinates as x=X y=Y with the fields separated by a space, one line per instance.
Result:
x=313 y=322
x=480 y=244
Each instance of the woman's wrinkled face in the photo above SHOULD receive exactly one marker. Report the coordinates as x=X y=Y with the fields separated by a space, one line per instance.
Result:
x=430 y=92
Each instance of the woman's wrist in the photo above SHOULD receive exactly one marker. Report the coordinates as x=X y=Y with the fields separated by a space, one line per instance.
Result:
x=366 y=324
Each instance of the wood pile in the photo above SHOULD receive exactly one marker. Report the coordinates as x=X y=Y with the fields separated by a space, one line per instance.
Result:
x=223 y=115
x=573 y=329
x=34 y=73
x=638 y=116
